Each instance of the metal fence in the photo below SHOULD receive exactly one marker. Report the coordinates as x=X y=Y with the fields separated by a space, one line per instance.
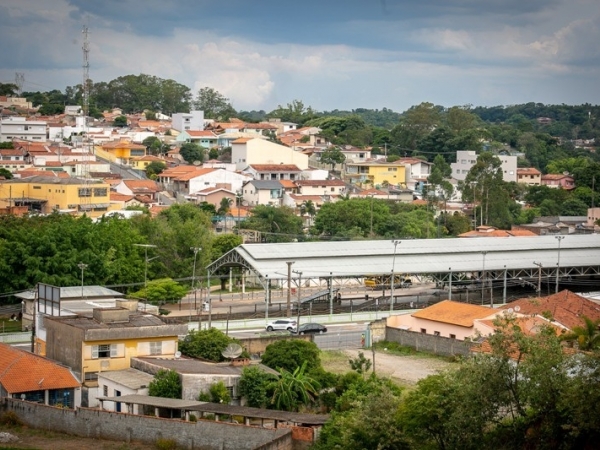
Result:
x=15 y=338
x=340 y=340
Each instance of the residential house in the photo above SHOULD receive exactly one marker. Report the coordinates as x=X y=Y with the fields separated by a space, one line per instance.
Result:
x=14 y=102
x=447 y=318
x=379 y=173
x=119 y=383
x=321 y=187
x=273 y=171
x=45 y=194
x=122 y=151
x=466 y=159
x=246 y=152
x=556 y=180
x=193 y=120
x=529 y=176
x=108 y=341
x=593 y=216
x=33 y=378
x=205 y=138
x=142 y=162
x=187 y=180
x=145 y=191
x=565 y=308
x=21 y=128
x=212 y=196
x=263 y=192
x=489 y=231
x=198 y=376
x=283 y=127
x=14 y=159
x=417 y=172
x=216 y=164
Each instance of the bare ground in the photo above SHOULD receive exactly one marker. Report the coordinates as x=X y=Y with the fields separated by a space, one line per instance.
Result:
x=406 y=369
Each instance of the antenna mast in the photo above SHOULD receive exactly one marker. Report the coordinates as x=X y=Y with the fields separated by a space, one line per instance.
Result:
x=19 y=82
x=85 y=88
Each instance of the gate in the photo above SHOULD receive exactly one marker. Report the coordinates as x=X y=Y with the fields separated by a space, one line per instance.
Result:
x=338 y=340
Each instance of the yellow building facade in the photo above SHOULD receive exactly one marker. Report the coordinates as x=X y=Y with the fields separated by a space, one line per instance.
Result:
x=45 y=195
x=379 y=173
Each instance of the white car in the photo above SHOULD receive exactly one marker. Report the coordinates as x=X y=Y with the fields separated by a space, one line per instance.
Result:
x=282 y=324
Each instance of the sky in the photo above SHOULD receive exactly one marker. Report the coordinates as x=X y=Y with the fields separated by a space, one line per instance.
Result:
x=342 y=54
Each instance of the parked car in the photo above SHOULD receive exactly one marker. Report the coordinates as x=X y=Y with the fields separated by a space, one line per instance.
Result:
x=314 y=328
x=282 y=324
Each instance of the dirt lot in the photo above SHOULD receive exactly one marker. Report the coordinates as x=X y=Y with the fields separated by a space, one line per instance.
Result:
x=406 y=369
x=47 y=440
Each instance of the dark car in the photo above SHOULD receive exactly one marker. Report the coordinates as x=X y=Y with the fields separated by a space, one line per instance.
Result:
x=314 y=328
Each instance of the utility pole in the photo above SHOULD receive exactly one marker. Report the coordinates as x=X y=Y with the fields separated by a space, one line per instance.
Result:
x=393 y=282
x=558 y=238
x=289 y=288
x=82 y=266
x=539 y=286
x=195 y=250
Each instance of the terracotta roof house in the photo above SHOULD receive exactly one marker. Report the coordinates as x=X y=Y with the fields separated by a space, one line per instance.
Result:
x=565 y=308
x=34 y=378
x=447 y=318
x=273 y=171
x=555 y=180
x=488 y=231
x=529 y=176
x=146 y=188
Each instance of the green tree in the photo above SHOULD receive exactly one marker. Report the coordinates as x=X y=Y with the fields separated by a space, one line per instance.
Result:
x=586 y=336
x=219 y=393
x=8 y=89
x=294 y=112
x=254 y=386
x=161 y=291
x=223 y=243
x=166 y=384
x=120 y=121
x=573 y=207
x=289 y=354
x=6 y=174
x=192 y=152
x=214 y=104
x=360 y=364
x=206 y=344
x=155 y=168
x=333 y=156
x=278 y=224
x=293 y=389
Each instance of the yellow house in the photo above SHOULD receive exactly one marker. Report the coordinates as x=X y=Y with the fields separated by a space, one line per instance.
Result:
x=142 y=162
x=44 y=194
x=123 y=151
x=379 y=173
x=108 y=340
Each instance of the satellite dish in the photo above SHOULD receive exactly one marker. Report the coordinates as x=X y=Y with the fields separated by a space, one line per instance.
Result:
x=510 y=310
x=517 y=308
x=232 y=351
x=197 y=163
x=177 y=354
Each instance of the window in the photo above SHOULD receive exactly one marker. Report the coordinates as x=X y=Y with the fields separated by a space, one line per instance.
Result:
x=91 y=376
x=423 y=330
x=436 y=333
x=104 y=351
x=105 y=390
x=156 y=348
x=37 y=187
x=84 y=192
x=100 y=192
x=452 y=336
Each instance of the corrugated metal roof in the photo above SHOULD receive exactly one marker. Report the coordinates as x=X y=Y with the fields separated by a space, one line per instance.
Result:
x=419 y=256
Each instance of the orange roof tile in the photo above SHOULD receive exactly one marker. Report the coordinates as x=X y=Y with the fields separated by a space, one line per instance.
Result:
x=116 y=197
x=288 y=184
x=566 y=308
x=141 y=184
x=448 y=311
x=21 y=371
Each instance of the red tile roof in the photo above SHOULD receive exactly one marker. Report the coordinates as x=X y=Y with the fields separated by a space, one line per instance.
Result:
x=21 y=371
x=447 y=311
x=566 y=308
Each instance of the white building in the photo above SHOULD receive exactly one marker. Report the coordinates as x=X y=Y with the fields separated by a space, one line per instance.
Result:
x=245 y=152
x=465 y=159
x=20 y=128
x=193 y=120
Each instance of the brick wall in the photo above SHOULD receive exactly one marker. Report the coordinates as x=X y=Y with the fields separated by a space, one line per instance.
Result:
x=204 y=434
x=428 y=343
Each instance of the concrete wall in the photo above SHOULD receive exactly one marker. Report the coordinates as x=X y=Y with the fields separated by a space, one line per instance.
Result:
x=204 y=434
x=424 y=342
x=258 y=345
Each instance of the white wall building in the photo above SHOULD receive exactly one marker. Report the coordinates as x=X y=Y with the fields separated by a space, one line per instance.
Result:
x=465 y=159
x=20 y=128
x=245 y=152
x=193 y=120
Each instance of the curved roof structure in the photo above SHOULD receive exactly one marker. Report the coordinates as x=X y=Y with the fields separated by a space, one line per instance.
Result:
x=417 y=256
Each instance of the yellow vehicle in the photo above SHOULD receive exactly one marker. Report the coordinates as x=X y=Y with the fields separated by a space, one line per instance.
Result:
x=384 y=281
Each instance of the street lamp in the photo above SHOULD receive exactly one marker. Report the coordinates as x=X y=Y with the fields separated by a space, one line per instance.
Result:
x=558 y=238
x=289 y=288
x=195 y=250
x=238 y=198
x=483 y=276
x=395 y=242
x=82 y=266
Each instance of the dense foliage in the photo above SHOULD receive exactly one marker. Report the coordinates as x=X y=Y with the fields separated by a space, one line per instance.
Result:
x=166 y=383
x=206 y=344
x=289 y=354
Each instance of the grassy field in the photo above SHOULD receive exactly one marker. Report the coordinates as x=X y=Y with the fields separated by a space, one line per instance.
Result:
x=9 y=326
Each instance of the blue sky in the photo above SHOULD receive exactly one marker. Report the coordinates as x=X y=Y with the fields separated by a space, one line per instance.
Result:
x=328 y=54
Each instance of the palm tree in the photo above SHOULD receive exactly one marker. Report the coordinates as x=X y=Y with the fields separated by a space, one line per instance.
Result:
x=293 y=389
x=586 y=336
x=308 y=207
